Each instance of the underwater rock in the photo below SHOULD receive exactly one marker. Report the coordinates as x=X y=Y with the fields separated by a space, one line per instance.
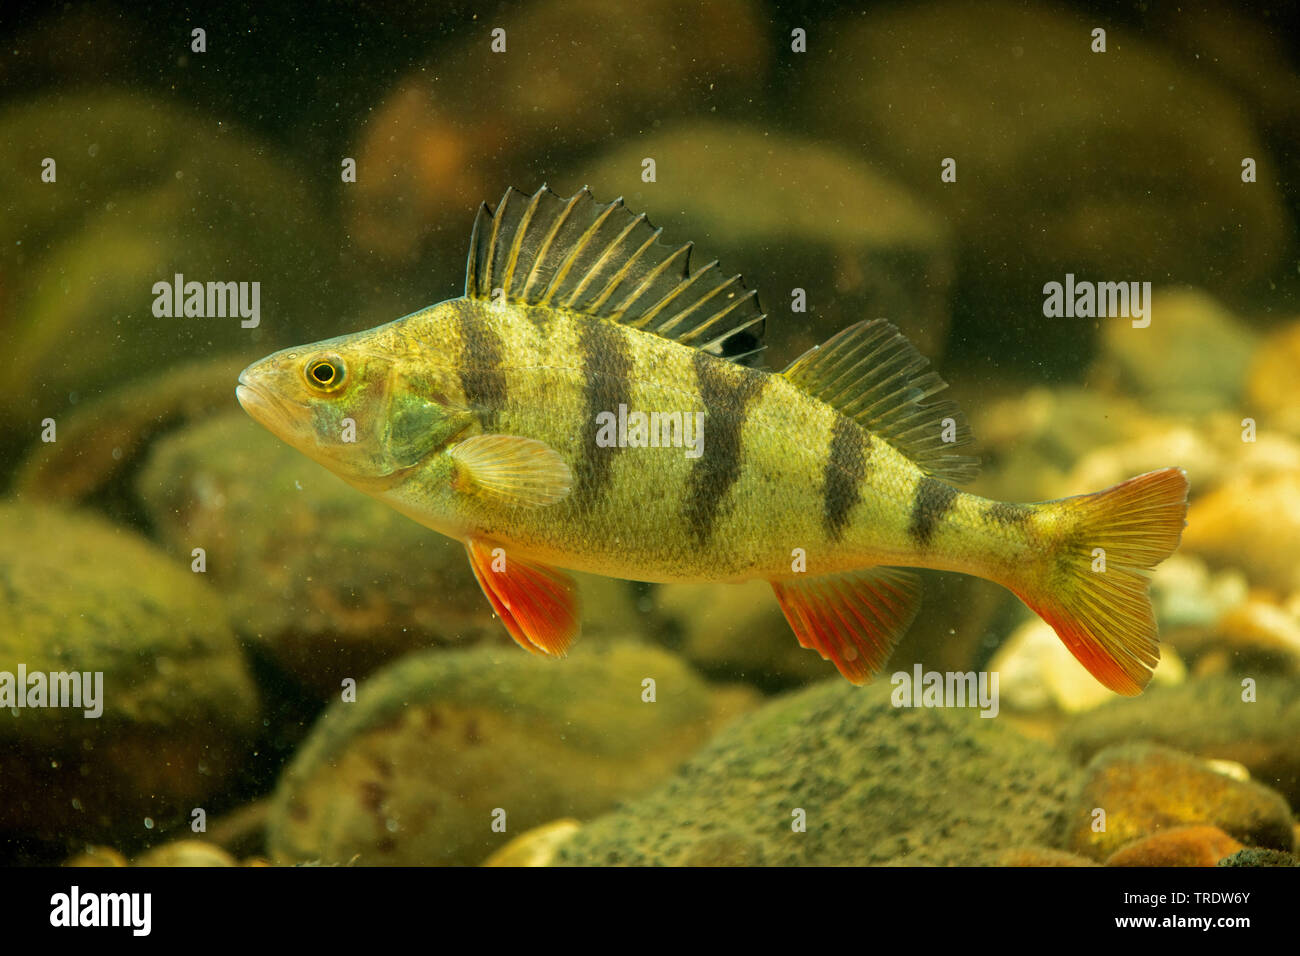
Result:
x=73 y=44
x=144 y=191
x=440 y=745
x=1271 y=381
x=1256 y=856
x=330 y=582
x=878 y=785
x=1041 y=856
x=736 y=631
x=186 y=853
x=1186 y=595
x=438 y=146
x=1192 y=358
x=1187 y=446
x=1208 y=717
x=1197 y=845
x=1036 y=670
x=98 y=856
x=1251 y=522
x=1261 y=636
x=789 y=213
x=1210 y=450
x=1144 y=789
x=101 y=443
x=1219 y=625
x=1031 y=442
x=1134 y=155
x=1247 y=54
x=177 y=701
x=536 y=847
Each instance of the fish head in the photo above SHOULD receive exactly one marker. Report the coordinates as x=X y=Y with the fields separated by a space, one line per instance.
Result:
x=357 y=404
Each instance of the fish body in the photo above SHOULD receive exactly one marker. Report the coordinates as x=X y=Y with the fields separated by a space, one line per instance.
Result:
x=593 y=404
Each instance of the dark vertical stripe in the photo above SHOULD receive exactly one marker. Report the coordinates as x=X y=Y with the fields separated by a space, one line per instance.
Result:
x=606 y=365
x=930 y=503
x=727 y=391
x=846 y=466
x=1008 y=514
x=481 y=355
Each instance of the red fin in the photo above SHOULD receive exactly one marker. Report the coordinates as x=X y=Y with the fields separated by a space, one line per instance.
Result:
x=537 y=604
x=852 y=619
x=1104 y=616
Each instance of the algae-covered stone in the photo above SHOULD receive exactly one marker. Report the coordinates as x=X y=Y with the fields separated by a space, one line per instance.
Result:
x=1270 y=383
x=186 y=853
x=572 y=73
x=439 y=746
x=787 y=214
x=328 y=580
x=1252 y=721
x=1192 y=358
x=1032 y=440
x=1257 y=856
x=1039 y=856
x=1122 y=166
x=736 y=631
x=177 y=700
x=537 y=847
x=144 y=191
x=1143 y=789
x=1197 y=845
x=872 y=784
x=1251 y=522
x=97 y=856
x=103 y=441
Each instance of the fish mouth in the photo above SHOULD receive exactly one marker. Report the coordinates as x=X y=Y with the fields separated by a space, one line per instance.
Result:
x=262 y=406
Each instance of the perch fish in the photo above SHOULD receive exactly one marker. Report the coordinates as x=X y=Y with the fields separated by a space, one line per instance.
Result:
x=594 y=403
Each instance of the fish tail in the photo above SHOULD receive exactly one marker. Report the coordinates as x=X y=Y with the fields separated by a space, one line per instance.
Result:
x=1092 y=584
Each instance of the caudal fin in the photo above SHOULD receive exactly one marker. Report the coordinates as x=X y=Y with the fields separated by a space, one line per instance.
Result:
x=1092 y=588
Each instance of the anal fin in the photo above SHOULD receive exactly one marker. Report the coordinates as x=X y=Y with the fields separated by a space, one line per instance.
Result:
x=537 y=603
x=852 y=619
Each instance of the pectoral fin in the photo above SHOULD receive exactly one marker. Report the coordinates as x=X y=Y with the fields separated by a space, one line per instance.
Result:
x=537 y=604
x=518 y=470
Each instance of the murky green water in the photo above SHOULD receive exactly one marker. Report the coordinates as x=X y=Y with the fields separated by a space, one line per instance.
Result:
x=212 y=649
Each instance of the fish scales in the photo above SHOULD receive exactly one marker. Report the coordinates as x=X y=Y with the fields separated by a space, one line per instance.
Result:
x=663 y=517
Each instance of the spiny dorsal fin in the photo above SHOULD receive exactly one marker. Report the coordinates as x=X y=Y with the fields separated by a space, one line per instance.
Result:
x=601 y=260
x=872 y=374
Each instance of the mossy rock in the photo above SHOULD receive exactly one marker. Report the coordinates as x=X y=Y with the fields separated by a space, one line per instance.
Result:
x=789 y=213
x=1209 y=718
x=1115 y=166
x=178 y=702
x=331 y=582
x=102 y=443
x=1144 y=789
x=144 y=190
x=876 y=784
x=436 y=744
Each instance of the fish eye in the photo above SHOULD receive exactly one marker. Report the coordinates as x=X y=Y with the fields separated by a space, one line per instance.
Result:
x=325 y=373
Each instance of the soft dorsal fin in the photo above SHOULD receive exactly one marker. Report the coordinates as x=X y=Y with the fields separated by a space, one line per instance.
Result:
x=599 y=259
x=872 y=374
